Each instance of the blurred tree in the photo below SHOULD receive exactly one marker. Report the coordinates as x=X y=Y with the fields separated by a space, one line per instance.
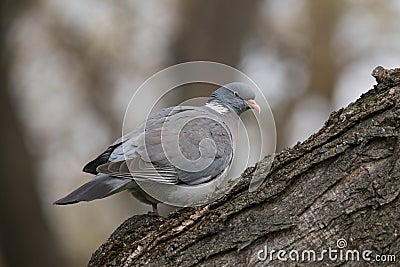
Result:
x=96 y=67
x=214 y=31
x=324 y=18
x=323 y=68
x=25 y=238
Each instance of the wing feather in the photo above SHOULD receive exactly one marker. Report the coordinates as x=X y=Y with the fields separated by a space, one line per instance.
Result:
x=129 y=169
x=140 y=155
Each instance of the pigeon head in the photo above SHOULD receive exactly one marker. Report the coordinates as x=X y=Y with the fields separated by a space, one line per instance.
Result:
x=237 y=96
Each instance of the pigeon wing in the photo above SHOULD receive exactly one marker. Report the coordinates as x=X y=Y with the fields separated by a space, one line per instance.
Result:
x=146 y=153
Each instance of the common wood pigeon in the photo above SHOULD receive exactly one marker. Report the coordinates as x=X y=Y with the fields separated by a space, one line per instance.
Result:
x=168 y=148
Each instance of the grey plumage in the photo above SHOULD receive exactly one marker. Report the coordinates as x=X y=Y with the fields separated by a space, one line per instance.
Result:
x=99 y=187
x=148 y=153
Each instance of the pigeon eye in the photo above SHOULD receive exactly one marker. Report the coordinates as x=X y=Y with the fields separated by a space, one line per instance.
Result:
x=236 y=93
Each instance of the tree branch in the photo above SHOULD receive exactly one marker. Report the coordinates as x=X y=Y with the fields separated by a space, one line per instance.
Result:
x=341 y=183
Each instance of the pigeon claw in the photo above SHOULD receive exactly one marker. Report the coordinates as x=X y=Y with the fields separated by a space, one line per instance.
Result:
x=154 y=212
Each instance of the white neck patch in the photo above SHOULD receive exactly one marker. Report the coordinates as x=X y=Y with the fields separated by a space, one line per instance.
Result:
x=218 y=107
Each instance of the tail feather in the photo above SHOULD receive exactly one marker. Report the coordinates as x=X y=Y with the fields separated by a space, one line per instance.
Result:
x=100 y=186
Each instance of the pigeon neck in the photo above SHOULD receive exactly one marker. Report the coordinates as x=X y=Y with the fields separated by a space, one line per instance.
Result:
x=231 y=119
x=217 y=106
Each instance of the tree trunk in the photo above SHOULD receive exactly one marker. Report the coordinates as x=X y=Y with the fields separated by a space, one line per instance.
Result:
x=25 y=237
x=339 y=186
x=211 y=31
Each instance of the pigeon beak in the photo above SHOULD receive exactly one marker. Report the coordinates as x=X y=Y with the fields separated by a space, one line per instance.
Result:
x=253 y=105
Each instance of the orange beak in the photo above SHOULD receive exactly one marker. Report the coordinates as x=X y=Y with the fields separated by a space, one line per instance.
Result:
x=253 y=105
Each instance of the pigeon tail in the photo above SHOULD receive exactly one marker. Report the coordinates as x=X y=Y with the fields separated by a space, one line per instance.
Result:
x=100 y=186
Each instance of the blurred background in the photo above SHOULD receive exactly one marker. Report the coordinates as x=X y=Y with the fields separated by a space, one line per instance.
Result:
x=69 y=68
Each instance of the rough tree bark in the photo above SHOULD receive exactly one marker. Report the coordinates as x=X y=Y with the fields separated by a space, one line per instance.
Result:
x=341 y=183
